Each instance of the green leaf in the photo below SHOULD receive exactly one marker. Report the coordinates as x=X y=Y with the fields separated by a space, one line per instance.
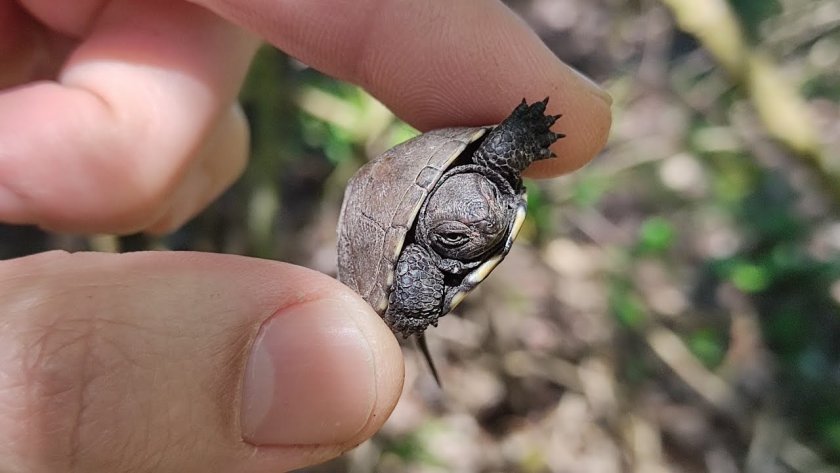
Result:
x=750 y=278
x=539 y=209
x=400 y=132
x=589 y=190
x=656 y=235
x=627 y=308
x=831 y=432
x=708 y=346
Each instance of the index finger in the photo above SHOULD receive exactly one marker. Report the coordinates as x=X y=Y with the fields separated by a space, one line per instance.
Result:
x=436 y=63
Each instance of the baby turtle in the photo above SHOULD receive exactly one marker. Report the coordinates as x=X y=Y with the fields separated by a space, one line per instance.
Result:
x=424 y=223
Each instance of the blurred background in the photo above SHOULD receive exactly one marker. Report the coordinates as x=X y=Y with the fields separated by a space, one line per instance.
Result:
x=674 y=306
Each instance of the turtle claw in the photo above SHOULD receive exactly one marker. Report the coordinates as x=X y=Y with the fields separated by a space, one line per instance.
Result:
x=551 y=119
x=537 y=109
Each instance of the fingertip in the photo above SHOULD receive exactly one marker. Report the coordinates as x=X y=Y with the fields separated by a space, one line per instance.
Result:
x=215 y=167
x=174 y=331
x=586 y=133
x=388 y=366
x=481 y=81
x=438 y=64
x=325 y=372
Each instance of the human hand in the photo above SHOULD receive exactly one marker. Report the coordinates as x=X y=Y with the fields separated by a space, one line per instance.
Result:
x=167 y=361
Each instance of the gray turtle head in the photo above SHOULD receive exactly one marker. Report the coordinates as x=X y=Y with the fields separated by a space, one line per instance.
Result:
x=466 y=218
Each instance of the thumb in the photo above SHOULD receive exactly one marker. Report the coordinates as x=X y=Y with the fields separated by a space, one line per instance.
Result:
x=185 y=362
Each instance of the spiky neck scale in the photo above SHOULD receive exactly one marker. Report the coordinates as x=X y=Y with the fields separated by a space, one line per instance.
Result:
x=522 y=138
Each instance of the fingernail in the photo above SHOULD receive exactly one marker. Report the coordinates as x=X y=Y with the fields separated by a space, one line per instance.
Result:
x=594 y=88
x=309 y=379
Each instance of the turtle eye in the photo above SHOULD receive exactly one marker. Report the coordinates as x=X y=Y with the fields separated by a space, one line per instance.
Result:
x=452 y=239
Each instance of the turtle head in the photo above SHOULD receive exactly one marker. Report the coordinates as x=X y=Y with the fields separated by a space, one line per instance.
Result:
x=466 y=218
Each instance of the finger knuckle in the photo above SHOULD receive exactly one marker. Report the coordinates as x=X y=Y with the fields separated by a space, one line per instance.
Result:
x=49 y=372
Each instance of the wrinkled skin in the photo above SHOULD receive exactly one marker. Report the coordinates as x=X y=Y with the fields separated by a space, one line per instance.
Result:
x=466 y=217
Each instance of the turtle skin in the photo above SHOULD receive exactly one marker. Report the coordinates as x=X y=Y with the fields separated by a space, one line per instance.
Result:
x=416 y=300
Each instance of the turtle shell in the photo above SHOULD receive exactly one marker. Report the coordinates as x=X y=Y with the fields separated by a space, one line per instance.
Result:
x=381 y=203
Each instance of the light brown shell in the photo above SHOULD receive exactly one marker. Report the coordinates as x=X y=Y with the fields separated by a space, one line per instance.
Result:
x=381 y=203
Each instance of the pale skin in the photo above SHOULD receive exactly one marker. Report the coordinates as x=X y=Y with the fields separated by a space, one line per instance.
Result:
x=120 y=116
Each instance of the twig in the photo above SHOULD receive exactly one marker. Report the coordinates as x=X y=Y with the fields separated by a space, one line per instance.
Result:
x=782 y=111
x=728 y=402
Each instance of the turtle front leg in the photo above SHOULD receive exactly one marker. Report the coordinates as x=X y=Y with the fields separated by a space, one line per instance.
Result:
x=524 y=137
x=416 y=298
